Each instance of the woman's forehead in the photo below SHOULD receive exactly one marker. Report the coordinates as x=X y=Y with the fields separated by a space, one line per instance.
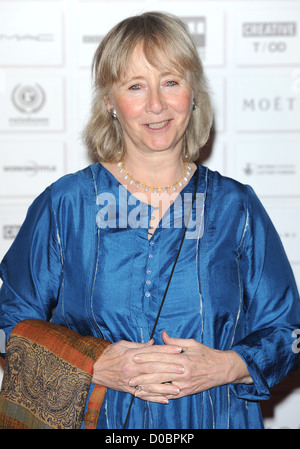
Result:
x=155 y=59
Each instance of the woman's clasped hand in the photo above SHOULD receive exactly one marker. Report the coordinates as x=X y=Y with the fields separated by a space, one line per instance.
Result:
x=158 y=373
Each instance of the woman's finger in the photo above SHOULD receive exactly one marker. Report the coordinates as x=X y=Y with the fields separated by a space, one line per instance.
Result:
x=157 y=372
x=160 y=399
x=181 y=342
x=158 y=349
x=153 y=378
x=173 y=358
x=156 y=392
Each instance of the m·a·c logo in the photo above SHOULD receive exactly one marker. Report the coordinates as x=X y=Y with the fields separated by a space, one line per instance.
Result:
x=28 y=98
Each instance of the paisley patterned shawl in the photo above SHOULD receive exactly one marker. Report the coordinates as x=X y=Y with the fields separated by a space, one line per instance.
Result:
x=47 y=375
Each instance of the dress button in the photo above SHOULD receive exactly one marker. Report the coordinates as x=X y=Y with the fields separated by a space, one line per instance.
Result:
x=148 y=282
x=147 y=294
x=148 y=271
x=150 y=256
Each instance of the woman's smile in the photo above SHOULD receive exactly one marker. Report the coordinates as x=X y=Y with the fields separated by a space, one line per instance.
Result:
x=158 y=125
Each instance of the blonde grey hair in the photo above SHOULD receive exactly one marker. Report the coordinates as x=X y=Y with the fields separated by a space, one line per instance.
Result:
x=159 y=33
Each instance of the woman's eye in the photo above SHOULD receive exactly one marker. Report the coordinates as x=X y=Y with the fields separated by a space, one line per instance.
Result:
x=134 y=87
x=171 y=83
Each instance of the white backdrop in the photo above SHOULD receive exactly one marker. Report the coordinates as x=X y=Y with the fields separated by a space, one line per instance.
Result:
x=251 y=52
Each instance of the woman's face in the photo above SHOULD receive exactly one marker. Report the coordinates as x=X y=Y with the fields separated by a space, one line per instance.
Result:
x=153 y=106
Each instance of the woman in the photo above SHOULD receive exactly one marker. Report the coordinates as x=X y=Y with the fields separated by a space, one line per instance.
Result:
x=98 y=248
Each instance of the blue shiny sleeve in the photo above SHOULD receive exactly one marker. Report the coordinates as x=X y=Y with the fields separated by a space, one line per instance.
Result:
x=31 y=269
x=273 y=306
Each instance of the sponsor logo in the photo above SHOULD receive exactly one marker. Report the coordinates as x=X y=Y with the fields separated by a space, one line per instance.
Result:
x=269 y=29
x=30 y=168
x=269 y=104
x=270 y=169
x=197 y=28
x=43 y=37
x=9 y=232
x=272 y=40
x=28 y=98
x=91 y=38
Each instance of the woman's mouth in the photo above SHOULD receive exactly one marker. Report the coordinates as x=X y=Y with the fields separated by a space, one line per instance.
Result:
x=158 y=125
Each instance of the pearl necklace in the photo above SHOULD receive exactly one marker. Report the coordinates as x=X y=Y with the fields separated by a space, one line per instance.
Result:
x=179 y=183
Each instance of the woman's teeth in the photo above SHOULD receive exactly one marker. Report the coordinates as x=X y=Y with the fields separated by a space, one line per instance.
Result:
x=158 y=125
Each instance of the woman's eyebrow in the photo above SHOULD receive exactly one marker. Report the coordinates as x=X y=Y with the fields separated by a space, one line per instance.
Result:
x=125 y=81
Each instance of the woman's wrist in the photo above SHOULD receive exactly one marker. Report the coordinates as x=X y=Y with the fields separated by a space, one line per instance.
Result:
x=238 y=371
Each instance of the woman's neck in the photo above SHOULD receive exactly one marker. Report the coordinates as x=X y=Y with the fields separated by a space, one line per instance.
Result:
x=153 y=174
x=155 y=170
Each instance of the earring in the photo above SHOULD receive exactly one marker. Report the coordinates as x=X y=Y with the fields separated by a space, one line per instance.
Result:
x=194 y=105
x=113 y=113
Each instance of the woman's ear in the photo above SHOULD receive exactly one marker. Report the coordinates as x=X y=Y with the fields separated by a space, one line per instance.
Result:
x=107 y=102
x=109 y=107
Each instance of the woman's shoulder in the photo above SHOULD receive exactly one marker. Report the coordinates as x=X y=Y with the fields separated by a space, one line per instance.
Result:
x=76 y=183
x=80 y=178
x=226 y=190
x=69 y=188
x=220 y=184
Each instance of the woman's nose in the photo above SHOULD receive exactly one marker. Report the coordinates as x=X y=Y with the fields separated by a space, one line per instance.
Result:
x=155 y=102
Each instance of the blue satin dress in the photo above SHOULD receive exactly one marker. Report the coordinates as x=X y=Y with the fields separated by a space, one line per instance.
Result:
x=84 y=253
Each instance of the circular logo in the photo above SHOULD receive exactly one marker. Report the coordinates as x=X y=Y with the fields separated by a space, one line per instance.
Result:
x=28 y=98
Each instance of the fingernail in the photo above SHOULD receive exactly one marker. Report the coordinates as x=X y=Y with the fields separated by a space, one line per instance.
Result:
x=136 y=358
x=175 y=391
